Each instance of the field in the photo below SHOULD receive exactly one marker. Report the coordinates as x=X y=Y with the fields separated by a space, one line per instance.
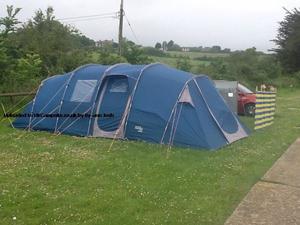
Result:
x=195 y=58
x=194 y=55
x=50 y=179
x=171 y=61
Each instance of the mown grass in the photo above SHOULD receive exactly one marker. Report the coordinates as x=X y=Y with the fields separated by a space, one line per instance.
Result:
x=49 y=179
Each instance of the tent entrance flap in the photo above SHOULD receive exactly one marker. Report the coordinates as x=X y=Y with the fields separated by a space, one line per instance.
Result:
x=112 y=106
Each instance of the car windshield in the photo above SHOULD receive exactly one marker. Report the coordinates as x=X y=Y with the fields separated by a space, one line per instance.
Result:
x=244 y=89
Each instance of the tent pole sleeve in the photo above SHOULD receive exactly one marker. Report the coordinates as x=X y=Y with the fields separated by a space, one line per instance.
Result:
x=61 y=100
x=63 y=96
x=177 y=122
x=134 y=91
x=33 y=104
x=172 y=127
x=73 y=122
x=51 y=99
x=172 y=111
x=211 y=113
x=33 y=125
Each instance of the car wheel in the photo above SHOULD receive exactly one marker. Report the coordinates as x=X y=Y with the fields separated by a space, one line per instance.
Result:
x=250 y=109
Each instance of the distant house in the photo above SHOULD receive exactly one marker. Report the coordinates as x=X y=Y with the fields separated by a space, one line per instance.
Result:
x=184 y=49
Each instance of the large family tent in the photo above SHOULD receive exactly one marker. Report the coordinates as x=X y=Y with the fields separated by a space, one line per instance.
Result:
x=153 y=103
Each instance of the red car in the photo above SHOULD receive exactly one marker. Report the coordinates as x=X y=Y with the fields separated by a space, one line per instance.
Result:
x=246 y=101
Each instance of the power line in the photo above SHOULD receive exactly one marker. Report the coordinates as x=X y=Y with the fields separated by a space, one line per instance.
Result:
x=111 y=15
x=88 y=19
x=88 y=16
x=132 y=30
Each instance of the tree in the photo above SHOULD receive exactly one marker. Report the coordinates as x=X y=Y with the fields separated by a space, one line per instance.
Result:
x=165 y=46
x=9 y=22
x=110 y=59
x=175 y=47
x=27 y=72
x=42 y=46
x=288 y=41
x=158 y=45
x=154 y=52
x=5 y=61
x=226 y=50
x=250 y=67
x=170 y=44
x=134 y=54
x=61 y=47
x=184 y=64
x=216 y=48
x=9 y=51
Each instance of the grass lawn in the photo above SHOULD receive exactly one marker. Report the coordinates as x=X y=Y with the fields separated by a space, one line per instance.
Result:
x=49 y=179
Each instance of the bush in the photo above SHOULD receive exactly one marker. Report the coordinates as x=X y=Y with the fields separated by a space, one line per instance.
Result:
x=250 y=67
x=154 y=52
x=184 y=64
x=106 y=58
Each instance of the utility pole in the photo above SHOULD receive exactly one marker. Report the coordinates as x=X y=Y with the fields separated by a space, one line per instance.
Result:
x=121 y=27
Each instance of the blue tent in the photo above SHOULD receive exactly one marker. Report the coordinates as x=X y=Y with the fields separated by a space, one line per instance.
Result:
x=153 y=102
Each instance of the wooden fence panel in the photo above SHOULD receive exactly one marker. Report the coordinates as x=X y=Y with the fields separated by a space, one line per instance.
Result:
x=265 y=109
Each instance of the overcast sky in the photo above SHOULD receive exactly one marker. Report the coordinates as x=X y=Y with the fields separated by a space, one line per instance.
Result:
x=235 y=24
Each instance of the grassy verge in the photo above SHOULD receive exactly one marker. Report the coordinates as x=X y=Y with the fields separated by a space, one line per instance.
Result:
x=49 y=179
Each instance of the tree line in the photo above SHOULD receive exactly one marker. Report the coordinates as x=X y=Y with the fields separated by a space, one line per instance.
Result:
x=280 y=68
x=43 y=46
x=172 y=46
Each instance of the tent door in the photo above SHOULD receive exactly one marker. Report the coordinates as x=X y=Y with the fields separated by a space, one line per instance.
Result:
x=113 y=103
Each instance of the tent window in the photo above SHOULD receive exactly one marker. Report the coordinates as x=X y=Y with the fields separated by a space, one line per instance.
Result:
x=119 y=86
x=83 y=90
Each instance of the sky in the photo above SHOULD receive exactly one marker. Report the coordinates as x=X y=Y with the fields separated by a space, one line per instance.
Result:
x=234 y=24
